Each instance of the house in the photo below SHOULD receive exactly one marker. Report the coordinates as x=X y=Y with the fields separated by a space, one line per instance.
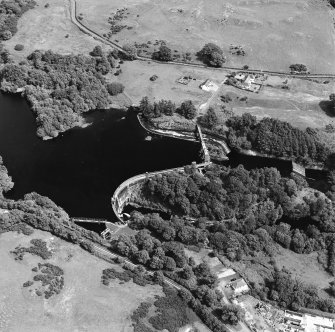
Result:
x=250 y=79
x=209 y=86
x=240 y=77
x=239 y=287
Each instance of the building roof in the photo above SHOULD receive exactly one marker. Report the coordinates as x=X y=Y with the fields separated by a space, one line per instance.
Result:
x=239 y=284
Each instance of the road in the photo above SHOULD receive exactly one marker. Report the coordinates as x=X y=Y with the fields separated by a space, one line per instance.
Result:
x=89 y=31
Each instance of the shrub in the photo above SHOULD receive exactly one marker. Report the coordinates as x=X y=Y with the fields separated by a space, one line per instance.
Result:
x=115 y=88
x=164 y=54
x=18 y=47
x=97 y=51
x=5 y=35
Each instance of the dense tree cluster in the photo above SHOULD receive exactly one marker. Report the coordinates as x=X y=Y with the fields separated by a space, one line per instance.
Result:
x=130 y=52
x=276 y=138
x=6 y=182
x=209 y=120
x=42 y=213
x=237 y=213
x=166 y=107
x=231 y=313
x=298 y=68
x=212 y=55
x=10 y=12
x=294 y=294
x=243 y=212
x=60 y=87
x=187 y=110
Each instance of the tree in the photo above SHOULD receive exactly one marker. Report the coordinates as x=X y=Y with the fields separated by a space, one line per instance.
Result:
x=187 y=272
x=146 y=108
x=332 y=99
x=130 y=52
x=97 y=51
x=298 y=67
x=6 y=182
x=212 y=55
x=158 y=277
x=164 y=54
x=142 y=256
x=166 y=107
x=187 y=110
x=210 y=119
x=231 y=313
x=115 y=88
x=169 y=263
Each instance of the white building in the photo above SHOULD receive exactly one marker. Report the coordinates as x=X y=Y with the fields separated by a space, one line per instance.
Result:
x=239 y=287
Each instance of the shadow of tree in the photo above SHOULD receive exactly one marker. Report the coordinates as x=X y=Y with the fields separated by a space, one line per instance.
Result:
x=327 y=107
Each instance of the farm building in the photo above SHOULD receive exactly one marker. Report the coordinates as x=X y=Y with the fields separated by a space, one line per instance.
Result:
x=298 y=322
x=239 y=287
x=246 y=81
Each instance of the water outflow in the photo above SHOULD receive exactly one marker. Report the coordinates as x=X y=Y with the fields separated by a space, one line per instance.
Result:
x=80 y=169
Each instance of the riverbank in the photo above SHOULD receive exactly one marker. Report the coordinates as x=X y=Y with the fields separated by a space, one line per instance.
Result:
x=218 y=149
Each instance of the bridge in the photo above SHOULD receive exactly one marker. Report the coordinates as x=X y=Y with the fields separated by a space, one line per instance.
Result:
x=129 y=188
x=207 y=157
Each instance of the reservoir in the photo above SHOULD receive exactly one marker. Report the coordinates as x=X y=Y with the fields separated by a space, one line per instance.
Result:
x=80 y=169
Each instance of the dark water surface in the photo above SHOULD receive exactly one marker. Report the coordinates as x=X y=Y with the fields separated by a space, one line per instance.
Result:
x=81 y=168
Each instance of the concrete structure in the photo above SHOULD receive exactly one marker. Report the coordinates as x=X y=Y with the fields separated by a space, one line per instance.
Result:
x=300 y=170
x=89 y=220
x=124 y=193
x=184 y=80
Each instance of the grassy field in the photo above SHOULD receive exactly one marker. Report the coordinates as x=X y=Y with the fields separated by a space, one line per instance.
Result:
x=274 y=34
x=83 y=305
x=305 y=267
x=46 y=28
x=136 y=78
x=302 y=105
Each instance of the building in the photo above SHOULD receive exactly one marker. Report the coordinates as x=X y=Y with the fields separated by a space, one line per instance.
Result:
x=298 y=322
x=239 y=287
x=209 y=86
x=184 y=80
x=246 y=81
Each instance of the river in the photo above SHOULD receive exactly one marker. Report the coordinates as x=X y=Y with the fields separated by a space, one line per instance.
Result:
x=80 y=169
